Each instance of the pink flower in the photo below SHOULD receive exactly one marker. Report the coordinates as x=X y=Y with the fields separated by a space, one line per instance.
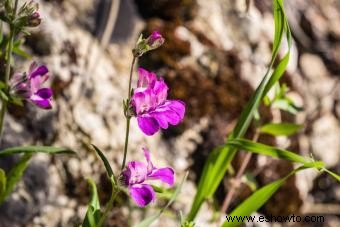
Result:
x=152 y=109
x=137 y=173
x=30 y=87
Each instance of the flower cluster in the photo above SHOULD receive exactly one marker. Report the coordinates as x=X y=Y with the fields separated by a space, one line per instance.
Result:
x=153 y=110
x=136 y=175
x=29 y=86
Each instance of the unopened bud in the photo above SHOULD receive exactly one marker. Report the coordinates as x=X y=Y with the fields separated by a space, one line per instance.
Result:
x=154 y=41
x=34 y=20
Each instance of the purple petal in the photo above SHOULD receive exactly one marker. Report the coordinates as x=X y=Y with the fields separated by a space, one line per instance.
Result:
x=37 y=70
x=42 y=103
x=45 y=93
x=165 y=175
x=148 y=159
x=171 y=112
x=177 y=106
x=143 y=101
x=161 y=91
x=146 y=78
x=36 y=82
x=136 y=173
x=148 y=125
x=155 y=35
x=163 y=117
x=142 y=194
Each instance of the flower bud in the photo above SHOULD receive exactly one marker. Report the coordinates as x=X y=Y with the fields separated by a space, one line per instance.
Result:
x=155 y=40
x=34 y=20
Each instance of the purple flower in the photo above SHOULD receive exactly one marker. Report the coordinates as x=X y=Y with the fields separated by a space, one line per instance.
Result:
x=152 y=109
x=137 y=173
x=30 y=87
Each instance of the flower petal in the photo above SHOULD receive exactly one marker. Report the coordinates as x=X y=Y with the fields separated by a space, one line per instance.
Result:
x=142 y=194
x=161 y=91
x=171 y=112
x=148 y=125
x=146 y=78
x=177 y=106
x=148 y=159
x=42 y=103
x=36 y=70
x=143 y=101
x=45 y=93
x=135 y=173
x=165 y=175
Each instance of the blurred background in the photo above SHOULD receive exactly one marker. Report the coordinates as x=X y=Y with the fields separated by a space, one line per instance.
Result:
x=215 y=54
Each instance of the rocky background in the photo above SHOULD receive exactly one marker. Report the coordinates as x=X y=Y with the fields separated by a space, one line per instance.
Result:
x=215 y=54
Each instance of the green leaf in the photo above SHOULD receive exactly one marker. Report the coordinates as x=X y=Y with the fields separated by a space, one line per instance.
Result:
x=15 y=174
x=256 y=200
x=287 y=105
x=2 y=85
x=3 y=96
x=105 y=161
x=337 y=177
x=93 y=213
x=16 y=100
x=281 y=129
x=250 y=181
x=148 y=221
x=35 y=149
x=3 y=183
x=17 y=50
x=274 y=152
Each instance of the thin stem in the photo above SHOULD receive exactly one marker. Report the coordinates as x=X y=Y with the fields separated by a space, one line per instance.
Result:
x=238 y=177
x=108 y=206
x=127 y=131
x=8 y=68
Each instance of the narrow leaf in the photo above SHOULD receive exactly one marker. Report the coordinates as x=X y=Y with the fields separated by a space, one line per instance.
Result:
x=3 y=95
x=148 y=221
x=15 y=174
x=35 y=149
x=3 y=183
x=281 y=129
x=263 y=149
x=93 y=213
x=256 y=201
x=105 y=161
x=336 y=176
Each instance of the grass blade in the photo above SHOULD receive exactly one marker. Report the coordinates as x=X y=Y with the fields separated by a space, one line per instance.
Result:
x=35 y=149
x=3 y=183
x=105 y=161
x=93 y=213
x=281 y=129
x=263 y=149
x=15 y=175
x=256 y=200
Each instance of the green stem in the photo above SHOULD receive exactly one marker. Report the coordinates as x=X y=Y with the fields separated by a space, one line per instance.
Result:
x=8 y=68
x=127 y=131
x=109 y=205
